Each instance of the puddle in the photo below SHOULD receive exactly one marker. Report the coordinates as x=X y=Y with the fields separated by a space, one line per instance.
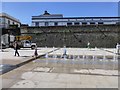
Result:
x=5 y=68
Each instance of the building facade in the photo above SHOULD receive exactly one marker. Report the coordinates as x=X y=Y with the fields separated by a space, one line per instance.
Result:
x=6 y=20
x=48 y=19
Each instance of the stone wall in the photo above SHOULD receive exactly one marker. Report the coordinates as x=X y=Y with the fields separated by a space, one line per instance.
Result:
x=75 y=36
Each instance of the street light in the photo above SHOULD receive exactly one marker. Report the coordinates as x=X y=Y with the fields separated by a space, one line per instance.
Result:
x=1 y=38
x=1 y=43
x=8 y=37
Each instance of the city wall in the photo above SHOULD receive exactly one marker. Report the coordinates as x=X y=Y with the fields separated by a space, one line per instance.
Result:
x=102 y=36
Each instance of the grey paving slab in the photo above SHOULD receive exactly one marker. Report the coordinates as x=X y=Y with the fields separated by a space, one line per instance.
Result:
x=55 y=80
x=24 y=84
x=44 y=77
x=51 y=85
x=6 y=83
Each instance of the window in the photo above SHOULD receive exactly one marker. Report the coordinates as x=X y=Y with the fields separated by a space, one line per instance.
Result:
x=100 y=22
x=84 y=23
x=36 y=23
x=9 y=22
x=0 y=20
x=92 y=22
x=76 y=23
x=13 y=23
x=69 y=23
x=56 y=23
x=27 y=42
x=46 y=23
x=118 y=23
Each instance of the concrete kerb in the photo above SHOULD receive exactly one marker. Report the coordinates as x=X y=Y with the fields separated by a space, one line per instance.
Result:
x=34 y=58
x=107 y=51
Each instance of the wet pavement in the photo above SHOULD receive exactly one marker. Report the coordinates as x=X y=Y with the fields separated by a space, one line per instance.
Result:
x=40 y=75
x=52 y=71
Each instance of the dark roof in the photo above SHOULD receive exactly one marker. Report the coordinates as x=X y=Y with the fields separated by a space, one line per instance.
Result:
x=36 y=17
x=46 y=13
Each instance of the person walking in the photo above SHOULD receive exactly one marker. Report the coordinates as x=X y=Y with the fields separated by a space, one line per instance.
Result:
x=118 y=48
x=16 y=47
x=36 y=54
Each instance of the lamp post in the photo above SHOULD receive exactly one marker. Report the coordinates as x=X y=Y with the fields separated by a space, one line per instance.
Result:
x=8 y=38
x=1 y=38
x=1 y=43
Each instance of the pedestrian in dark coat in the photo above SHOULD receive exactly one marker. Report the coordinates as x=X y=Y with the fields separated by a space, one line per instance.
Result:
x=16 y=47
x=36 y=54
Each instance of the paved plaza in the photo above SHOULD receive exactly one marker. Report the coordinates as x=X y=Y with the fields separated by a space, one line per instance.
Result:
x=42 y=75
x=7 y=56
x=87 y=51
